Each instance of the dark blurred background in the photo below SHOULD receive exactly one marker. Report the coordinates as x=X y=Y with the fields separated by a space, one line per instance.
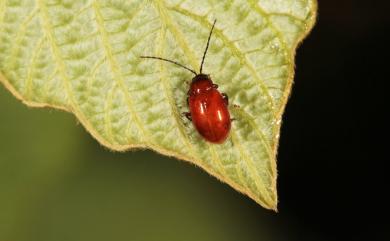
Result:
x=57 y=183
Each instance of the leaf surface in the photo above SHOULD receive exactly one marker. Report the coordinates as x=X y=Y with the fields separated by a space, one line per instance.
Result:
x=82 y=56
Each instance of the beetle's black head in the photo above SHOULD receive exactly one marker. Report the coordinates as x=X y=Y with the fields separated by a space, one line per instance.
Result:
x=201 y=77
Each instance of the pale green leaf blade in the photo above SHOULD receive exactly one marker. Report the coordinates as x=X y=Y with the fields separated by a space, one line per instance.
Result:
x=83 y=57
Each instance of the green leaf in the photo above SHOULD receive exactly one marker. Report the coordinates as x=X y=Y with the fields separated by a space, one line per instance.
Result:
x=83 y=57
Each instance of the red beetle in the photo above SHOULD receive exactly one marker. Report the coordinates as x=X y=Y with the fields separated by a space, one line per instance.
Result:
x=208 y=107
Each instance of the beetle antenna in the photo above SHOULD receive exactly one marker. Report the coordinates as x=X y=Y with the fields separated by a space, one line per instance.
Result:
x=207 y=46
x=170 y=61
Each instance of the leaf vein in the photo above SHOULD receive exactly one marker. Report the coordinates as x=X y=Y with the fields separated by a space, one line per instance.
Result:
x=47 y=29
x=166 y=86
x=116 y=69
x=251 y=167
x=177 y=34
x=16 y=43
x=36 y=51
x=3 y=6
x=107 y=117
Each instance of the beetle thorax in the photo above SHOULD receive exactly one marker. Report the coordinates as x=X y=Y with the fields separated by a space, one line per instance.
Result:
x=200 y=84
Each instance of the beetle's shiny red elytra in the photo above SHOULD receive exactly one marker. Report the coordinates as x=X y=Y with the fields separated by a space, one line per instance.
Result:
x=208 y=107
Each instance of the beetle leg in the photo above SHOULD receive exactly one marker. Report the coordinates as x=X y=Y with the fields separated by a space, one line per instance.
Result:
x=236 y=106
x=188 y=101
x=225 y=98
x=233 y=119
x=187 y=115
x=215 y=86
